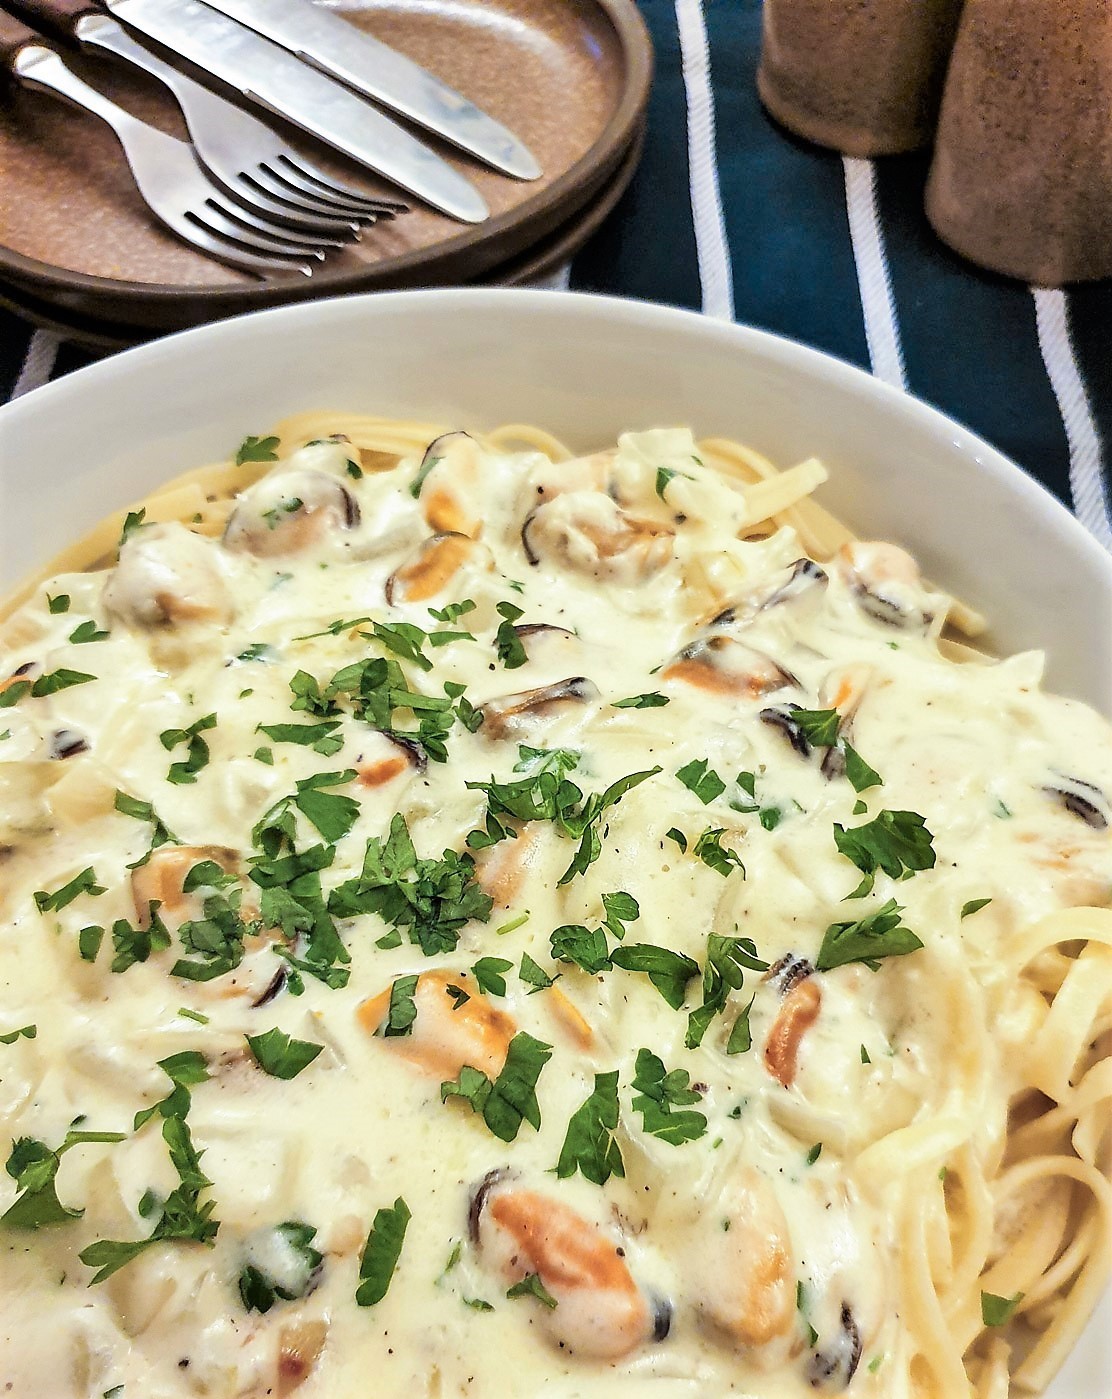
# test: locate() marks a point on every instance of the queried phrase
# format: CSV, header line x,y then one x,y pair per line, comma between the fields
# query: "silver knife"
x,y
268,75
373,68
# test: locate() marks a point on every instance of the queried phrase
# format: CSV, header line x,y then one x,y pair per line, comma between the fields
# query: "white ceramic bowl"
x,y
586,368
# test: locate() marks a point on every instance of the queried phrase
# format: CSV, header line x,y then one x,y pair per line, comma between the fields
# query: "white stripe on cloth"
x,y
1090,504
716,276
39,364
882,327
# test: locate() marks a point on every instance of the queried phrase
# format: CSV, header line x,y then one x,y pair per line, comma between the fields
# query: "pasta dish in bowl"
x,y
507,918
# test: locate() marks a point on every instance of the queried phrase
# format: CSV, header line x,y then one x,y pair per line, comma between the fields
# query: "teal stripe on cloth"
x,y
784,204
646,248
969,338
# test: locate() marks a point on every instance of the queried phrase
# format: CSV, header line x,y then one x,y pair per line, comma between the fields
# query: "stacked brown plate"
x,y
79,251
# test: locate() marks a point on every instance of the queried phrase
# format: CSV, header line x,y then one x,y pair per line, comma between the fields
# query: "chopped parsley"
x,y
161,834
260,1287
529,1286
419,480
699,777
653,700
549,796
256,449
26,1032
973,906
134,521
33,1166
430,900
86,631
83,883
664,474
60,603
197,750
453,611
998,1311
381,1253
181,1215
657,1096
321,737
728,959
280,1056
878,934
741,1036
814,1154
668,971
590,1146
507,644
61,679
489,974
713,853
534,975
402,1009
897,842
511,1099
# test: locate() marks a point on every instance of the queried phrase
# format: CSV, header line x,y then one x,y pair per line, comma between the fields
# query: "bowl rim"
x,y
843,376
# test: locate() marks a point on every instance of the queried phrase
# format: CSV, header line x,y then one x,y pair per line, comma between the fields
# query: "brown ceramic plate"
x,y
542,260
570,76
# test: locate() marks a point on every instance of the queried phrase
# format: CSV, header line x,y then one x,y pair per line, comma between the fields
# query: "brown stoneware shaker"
x,y
862,76
1022,176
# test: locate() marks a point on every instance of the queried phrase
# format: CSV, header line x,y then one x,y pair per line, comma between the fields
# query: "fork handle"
x,y
54,17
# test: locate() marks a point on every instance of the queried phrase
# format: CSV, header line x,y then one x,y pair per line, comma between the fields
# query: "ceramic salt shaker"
x,y
1021,181
862,76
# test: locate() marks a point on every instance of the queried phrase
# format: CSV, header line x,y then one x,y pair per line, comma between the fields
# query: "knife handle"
x,y
54,17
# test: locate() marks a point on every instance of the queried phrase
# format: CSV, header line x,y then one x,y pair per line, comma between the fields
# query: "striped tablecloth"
x,y
731,216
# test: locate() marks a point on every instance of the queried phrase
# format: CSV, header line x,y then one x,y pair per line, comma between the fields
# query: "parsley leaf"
x,y
33,1166
453,611
507,644
197,749
261,1284
426,466
699,777
27,1032
402,1011
534,975
586,947
878,934
713,853
280,1056
973,906
668,971
256,449
86,631
741,1037
819,726
531,1286
664,474
728,959
896,842
589,1145
60,603
653,700
511,1099
161,834
83,883
998,1311
658,1094
61,679
620,908
321,737
134,521
381,1253
538,760
332,814
860,774
489,975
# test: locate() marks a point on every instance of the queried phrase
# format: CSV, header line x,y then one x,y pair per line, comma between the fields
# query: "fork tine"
x,y
305,176
309,218
263,267
260,178
217,220
247,218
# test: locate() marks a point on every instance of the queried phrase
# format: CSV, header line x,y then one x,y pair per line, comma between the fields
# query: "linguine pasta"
x,y
508,923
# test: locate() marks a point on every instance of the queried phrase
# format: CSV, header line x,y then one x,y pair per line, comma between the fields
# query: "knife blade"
x,y
266,74
373,68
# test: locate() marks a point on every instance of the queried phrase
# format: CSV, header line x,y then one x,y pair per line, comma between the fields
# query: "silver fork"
x,y
170,179
249,159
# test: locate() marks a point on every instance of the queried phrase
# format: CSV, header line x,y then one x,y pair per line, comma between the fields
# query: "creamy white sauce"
x,y
974,749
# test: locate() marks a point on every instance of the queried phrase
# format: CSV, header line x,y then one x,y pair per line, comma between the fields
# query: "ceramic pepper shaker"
x,y
862,76
1022,176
